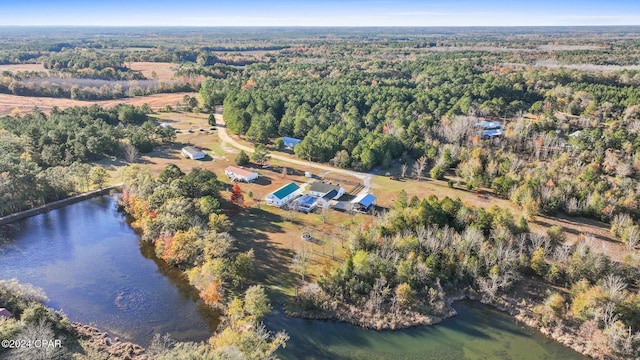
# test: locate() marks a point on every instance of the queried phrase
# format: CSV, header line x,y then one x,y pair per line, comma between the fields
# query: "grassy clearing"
x,y
26,103
276,238
163,71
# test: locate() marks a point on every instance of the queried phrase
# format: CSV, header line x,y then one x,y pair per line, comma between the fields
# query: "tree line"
x,y
44,157
181,215
411,259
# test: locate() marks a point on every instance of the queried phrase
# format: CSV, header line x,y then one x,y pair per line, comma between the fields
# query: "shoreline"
x,y
520,310
7,219
104,344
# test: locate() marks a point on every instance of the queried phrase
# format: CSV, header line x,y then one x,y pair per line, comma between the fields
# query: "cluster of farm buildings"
x,y
321,194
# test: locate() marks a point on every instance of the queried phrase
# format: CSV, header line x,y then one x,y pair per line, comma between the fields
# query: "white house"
x,y
321,189
283,195
193,153
240,174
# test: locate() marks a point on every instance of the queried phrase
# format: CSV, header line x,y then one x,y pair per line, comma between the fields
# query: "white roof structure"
x,y
193,152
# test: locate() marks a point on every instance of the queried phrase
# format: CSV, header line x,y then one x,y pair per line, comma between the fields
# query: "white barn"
x,y
283,195
193,153
240,174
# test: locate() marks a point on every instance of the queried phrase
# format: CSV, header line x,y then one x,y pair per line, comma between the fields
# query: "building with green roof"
x,y
283,195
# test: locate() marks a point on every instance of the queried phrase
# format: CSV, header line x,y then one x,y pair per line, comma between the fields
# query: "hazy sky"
x,y
319,13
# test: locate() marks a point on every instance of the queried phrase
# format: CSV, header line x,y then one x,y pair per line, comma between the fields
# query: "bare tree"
x,y
614,286
130,153
419,166
457,129
290,216
301,261
632,237
324,211
39,331
403,169
378,294
160,344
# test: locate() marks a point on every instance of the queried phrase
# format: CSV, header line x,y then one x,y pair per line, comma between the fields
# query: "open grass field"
x,y
22,67
164,71
24,103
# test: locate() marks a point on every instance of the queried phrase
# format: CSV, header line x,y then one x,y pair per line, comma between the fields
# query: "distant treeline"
x,y
89,89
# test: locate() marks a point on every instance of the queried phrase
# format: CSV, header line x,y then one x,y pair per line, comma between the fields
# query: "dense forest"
x,y
44,157
570,140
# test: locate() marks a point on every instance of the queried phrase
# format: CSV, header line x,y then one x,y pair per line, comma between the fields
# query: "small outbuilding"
x,y
363,203
5,314
490,129
290,142
193,153
239,174
283,195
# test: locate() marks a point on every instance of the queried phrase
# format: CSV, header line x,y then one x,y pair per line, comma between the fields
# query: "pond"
x,y
477,332
93,266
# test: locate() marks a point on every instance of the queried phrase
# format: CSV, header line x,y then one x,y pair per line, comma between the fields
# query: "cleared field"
x,y
164,71
156,101
22,67
274,234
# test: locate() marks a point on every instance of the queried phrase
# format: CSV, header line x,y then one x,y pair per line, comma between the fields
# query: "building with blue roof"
x,y
363,203
290,142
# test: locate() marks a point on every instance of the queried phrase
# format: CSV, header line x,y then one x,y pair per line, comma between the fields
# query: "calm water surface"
x,y
477,332
92,266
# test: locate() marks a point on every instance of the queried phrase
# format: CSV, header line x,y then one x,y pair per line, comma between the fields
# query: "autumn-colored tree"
x,y
236,195
538,264
212,293
404,295
219,223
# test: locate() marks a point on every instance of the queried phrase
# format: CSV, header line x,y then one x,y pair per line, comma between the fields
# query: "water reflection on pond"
x,y
91,265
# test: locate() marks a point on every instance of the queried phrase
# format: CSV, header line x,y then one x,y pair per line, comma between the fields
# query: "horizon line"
x,y
322,26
